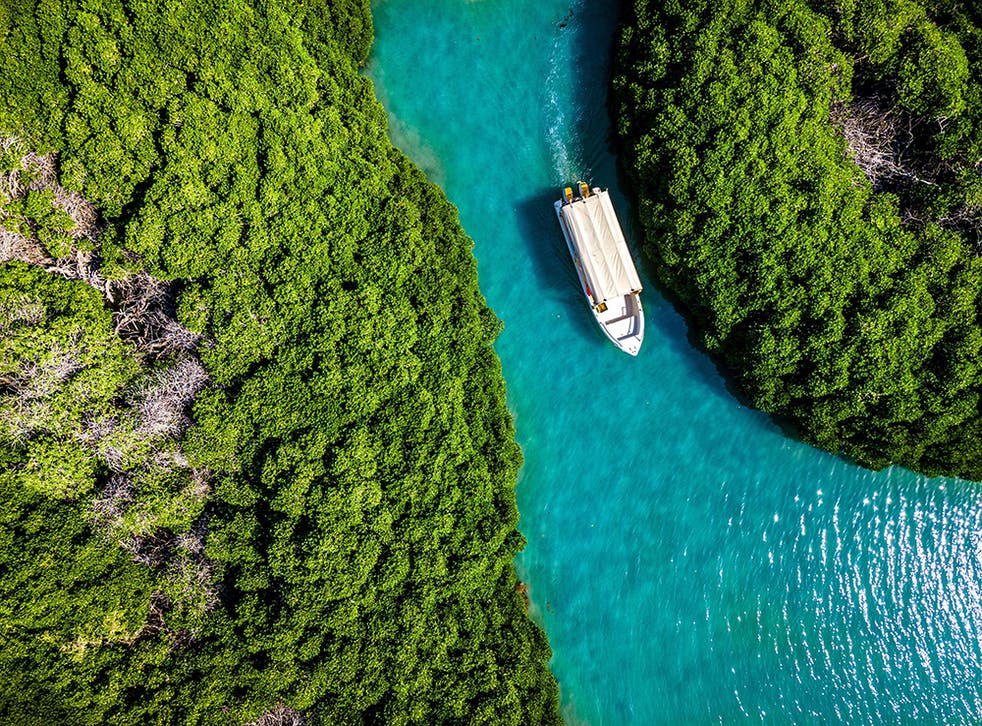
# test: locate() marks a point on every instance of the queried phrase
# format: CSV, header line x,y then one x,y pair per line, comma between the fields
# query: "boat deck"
x,y
604,266
623,323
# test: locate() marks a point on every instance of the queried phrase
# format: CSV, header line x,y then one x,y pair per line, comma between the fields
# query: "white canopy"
x,y
602,248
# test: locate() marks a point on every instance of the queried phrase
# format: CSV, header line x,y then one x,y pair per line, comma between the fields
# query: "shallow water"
x,y
689,563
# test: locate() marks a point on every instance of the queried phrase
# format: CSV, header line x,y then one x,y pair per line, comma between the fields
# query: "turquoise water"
x,y
689,563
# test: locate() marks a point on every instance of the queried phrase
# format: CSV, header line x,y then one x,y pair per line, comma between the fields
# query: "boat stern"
x,y
623,322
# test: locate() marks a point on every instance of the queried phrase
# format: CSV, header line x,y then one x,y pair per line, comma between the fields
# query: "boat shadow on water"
x,y
552,264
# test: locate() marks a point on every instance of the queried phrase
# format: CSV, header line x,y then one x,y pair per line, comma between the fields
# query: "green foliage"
x,y
363,516
848,311
61,365
71,614
37,217
876,28
933,72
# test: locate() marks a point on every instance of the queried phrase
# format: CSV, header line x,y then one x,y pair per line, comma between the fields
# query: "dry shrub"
x,y
144,306
38,172
161,404
882,142
15,246
281,715
41,172
115,498
870,131
193,574
95,429
22,310
153,550
144,315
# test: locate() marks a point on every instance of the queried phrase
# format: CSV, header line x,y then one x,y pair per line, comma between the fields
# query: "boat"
x,y
604,264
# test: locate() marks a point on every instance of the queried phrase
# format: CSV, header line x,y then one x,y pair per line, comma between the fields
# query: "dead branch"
x,y
40,379
195,577
869,132
144,315
280,715
96,429
153,550
116,497
23,310
162,404
144,309
877,139
966,219
200,486
169,460
15,246
193,541
42,170
884,143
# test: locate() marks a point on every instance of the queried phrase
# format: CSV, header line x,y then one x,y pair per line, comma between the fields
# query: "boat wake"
x,y
563,115
577,128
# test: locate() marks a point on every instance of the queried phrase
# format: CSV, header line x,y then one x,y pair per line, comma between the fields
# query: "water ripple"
x,y
883,602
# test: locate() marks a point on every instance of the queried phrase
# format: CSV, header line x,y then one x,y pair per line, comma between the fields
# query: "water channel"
x,y
689,562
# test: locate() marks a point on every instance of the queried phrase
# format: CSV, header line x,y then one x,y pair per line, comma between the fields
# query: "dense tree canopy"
x,y
358,459
809,186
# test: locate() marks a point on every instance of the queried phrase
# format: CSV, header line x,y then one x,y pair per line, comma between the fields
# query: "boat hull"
x,y
622,322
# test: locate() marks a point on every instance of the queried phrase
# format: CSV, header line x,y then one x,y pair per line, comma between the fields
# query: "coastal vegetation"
x,y
257,464
808,182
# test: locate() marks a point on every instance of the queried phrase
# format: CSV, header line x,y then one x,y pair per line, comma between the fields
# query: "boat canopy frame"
x,y
604,255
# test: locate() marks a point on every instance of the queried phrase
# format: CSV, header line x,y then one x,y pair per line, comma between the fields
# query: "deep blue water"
x,y
689,563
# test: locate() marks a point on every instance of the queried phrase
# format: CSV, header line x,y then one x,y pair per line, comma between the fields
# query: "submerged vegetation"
x,y
256,459
808,175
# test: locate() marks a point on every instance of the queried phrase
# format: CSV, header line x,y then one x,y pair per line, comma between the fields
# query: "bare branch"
x,y
280,715
144,315
116,498
23,310
883,143
162,404
876,139
42,171
153,550
869,132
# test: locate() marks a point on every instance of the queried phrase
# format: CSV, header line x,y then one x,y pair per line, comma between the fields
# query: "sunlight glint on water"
x,y
689,563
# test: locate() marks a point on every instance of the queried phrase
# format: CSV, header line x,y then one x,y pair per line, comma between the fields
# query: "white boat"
x,y
604,264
